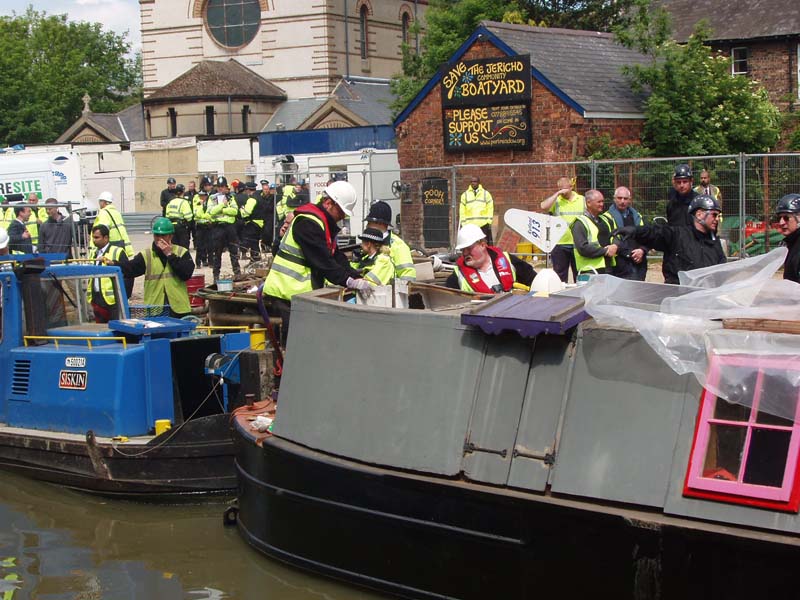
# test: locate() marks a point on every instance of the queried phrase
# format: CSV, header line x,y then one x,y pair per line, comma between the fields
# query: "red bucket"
x,y
194,283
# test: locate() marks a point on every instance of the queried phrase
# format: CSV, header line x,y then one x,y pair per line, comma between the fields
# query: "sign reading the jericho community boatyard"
x,y
486,104
488,81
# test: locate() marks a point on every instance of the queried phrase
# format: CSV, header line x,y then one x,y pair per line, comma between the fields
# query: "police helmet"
x,y
251,185
180,188
380,212
205,181
170,180
221,181
704,202
683,171
790,203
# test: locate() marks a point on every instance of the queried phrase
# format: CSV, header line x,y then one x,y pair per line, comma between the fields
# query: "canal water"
x,y
56,544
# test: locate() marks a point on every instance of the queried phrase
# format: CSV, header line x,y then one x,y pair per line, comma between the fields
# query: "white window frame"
x,y
734,61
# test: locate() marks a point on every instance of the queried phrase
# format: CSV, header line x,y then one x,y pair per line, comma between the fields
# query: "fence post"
x,y
742,193
122,195
455,207
593,176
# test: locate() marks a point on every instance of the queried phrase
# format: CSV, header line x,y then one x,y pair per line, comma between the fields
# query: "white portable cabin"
x,y
48,174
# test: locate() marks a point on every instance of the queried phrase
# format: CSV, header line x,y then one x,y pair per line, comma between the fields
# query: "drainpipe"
x,y
346,43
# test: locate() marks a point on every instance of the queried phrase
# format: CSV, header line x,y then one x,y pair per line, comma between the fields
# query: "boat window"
x,y
66,302
745,451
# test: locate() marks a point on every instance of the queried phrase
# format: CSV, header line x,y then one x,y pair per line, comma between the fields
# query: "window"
x,y
363,31
173,122
743,452
406,27
233,23
209,120
739,61
245,118
148,125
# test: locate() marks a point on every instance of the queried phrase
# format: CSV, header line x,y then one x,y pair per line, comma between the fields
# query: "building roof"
x,y
211,79
364,103
735,20
125,126
582,68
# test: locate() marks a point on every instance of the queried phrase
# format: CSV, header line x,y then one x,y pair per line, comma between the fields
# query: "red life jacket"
x,y
502,267
313,209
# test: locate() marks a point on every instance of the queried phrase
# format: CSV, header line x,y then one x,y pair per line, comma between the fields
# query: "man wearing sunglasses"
x,y
786,214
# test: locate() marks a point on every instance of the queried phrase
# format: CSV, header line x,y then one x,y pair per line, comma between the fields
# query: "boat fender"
x,y
230,516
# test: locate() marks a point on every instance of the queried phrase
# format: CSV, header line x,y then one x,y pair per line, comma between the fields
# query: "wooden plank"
x,y
771,325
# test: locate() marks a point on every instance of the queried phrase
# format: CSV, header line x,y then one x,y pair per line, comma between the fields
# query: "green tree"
x,y
695,106
48,65
450,22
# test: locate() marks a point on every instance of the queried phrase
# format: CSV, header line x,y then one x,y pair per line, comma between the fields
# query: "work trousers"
x,y
181,235
563,259
251,236
224,237
202,244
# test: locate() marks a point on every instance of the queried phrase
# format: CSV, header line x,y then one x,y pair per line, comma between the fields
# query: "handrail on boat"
x,y
88,340
209,328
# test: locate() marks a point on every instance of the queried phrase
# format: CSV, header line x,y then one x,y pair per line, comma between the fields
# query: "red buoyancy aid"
x,y
313,209
502,267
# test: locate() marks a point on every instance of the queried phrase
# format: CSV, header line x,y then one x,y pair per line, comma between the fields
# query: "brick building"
x,y
577,93
762,39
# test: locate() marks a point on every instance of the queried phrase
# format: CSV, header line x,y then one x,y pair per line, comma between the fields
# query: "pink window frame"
x,y
696,481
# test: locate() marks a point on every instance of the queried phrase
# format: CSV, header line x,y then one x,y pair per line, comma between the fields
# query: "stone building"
x,y
577,93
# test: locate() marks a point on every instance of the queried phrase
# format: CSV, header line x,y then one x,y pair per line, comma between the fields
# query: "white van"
x,y
49,174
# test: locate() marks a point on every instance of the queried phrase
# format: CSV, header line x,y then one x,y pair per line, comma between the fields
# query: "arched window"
x,y
363,22
406,27
233,23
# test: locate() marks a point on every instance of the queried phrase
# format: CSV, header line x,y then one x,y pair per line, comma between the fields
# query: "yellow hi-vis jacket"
x,y
476,207
159,280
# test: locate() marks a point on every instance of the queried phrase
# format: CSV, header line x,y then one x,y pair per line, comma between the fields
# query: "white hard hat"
x,y
344,194
468,235
3,238
105,197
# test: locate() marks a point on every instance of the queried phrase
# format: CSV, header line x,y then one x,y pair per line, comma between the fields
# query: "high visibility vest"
x,y
159,280
713,191
469,280
201,217
377,270
290,274
569,210
401,257
117,234
6,216
583,263
281,207
37,214
223,215
106,283
476,207
179,211
249,212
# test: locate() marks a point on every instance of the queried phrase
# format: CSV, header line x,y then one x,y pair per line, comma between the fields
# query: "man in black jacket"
x,y
167,194
18,234
55,234
786,214
680,196
687,247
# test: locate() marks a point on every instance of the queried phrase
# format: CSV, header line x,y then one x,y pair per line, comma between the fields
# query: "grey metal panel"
x,y
621,421
498,404
398,384
540,412
677,504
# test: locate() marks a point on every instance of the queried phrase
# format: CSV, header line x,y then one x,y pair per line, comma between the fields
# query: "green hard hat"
x,y
163,226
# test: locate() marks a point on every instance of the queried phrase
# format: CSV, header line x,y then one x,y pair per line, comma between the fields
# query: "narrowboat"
x,y
519,448
136,407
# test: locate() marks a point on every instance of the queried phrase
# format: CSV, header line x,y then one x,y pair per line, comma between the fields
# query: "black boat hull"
x,y
196,460
426,537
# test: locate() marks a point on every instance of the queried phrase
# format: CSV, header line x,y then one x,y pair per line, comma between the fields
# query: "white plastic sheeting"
x,y
685,328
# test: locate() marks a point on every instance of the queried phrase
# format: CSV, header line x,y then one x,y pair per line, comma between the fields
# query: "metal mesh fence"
x,y
425,201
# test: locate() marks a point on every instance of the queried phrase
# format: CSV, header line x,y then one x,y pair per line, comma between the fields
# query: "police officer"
x,y
380,217
167,194
680,196
179,212
786,214
374,264
687,247
477,208
266,197
252,214
223,212
202,221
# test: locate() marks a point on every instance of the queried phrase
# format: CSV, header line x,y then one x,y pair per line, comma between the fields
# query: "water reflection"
x,y
57,544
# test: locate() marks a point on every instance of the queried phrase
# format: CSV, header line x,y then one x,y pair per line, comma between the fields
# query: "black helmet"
x,y
790,203
683,171
221,181
170,180
380,212
704,202
180,188
205,181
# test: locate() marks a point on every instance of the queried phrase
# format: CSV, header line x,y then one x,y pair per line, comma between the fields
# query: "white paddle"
x,y
541,229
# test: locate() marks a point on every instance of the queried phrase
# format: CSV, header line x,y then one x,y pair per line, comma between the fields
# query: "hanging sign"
x,y
487,81
487,128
